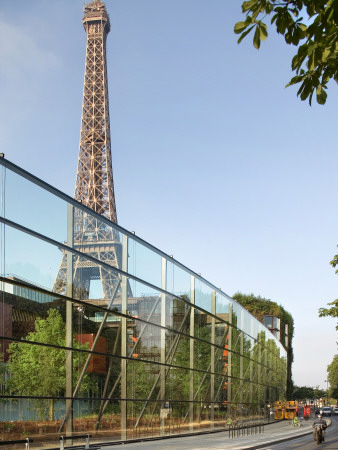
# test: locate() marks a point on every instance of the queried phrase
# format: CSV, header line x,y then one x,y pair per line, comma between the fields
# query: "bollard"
x,y
87,447
62,443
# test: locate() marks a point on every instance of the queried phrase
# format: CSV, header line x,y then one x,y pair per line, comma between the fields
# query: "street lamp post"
x,y
327,391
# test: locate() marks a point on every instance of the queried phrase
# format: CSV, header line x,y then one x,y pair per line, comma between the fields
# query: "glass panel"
x,y
145,341
178,384
277,334
222,307
35,208
237,314
248,344
268,321
30,260
235,335
179,351
144,263
146,305
180,315
277,323
222,334
178,280
203,295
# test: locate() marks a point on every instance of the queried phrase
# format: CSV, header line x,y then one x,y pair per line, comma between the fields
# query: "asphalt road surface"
x,y
220,441
307,443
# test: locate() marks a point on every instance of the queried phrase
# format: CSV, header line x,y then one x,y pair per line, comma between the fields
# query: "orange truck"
x,y
279,410
291,409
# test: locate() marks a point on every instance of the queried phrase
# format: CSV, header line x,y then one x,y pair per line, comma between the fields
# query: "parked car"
x,y
335,410
326,411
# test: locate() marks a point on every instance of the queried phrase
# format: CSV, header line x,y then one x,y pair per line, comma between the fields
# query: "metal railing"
x,y
247,429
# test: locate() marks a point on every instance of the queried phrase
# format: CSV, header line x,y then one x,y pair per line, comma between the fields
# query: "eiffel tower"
x,y
94,180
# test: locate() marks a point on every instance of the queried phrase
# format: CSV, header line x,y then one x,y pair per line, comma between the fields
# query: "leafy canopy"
x,y
333,310
315,35
305,392
332,371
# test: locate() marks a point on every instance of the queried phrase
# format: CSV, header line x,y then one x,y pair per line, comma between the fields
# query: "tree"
x,y
2,373
315,35
305,392
333,311
40,371
334,393
332,376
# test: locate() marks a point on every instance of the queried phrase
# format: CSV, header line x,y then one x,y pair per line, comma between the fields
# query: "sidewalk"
x,y
275,432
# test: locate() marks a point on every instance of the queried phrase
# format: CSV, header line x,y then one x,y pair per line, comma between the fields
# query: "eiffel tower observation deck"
x,y
94,179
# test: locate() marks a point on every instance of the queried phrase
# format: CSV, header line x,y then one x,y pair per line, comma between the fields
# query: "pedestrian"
x,y
295,421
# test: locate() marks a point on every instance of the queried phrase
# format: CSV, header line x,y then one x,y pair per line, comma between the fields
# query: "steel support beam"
x,y
124,340
69,323
230,359
212,360
163,346
191,365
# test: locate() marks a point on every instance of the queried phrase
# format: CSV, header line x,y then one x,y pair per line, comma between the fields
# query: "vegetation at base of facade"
x,y
310,25
260,307
332,376
333,310
41,371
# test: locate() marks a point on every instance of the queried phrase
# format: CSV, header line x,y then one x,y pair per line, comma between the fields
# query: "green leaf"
x,y
325,54
244,34
256,39
239,27
294,80
321,95
263,33
248,5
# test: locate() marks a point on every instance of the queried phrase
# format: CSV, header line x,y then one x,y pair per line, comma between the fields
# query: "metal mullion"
x,y
69,324
230,356
212,360
191,354
241,337
124,340
163,341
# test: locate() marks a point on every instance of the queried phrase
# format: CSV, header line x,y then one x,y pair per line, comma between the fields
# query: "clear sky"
x,y
214,160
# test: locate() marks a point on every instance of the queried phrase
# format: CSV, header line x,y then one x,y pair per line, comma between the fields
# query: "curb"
x,y
279,441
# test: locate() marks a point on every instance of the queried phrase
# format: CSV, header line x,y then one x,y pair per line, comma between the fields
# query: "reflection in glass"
x,y
162,366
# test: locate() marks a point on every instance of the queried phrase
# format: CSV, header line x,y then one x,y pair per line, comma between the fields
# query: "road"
x,y
306,443
220,441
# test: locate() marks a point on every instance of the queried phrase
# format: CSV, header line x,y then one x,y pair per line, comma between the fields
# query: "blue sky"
x,y
214,160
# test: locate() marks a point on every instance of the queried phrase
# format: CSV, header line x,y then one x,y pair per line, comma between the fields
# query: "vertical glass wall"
x,y
102,333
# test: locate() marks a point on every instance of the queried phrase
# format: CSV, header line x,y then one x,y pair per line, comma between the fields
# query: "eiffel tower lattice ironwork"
x,y
94,180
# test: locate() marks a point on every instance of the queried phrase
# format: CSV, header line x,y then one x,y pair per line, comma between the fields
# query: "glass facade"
x,y
114,337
